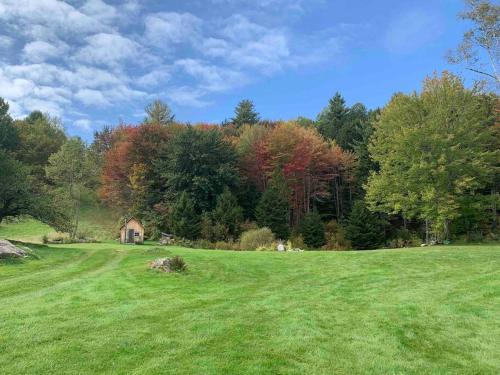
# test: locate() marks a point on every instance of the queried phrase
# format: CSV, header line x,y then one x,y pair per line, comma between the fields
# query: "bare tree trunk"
x,y
447,229
494,208
426,231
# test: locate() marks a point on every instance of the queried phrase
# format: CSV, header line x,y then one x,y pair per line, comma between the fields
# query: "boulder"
x,y
7,250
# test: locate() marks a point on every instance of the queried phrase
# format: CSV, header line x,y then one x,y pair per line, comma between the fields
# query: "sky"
x,y
100,62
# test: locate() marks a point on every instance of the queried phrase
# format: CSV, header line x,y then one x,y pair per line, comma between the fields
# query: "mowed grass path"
x,y
97,309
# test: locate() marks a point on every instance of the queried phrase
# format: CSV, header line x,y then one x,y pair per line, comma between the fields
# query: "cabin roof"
x,y
129,220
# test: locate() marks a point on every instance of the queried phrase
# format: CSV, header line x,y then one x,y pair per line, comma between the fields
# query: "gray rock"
x,y
7,250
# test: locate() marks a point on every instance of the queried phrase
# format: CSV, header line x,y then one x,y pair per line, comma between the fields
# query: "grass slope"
x,y
95,221
97,309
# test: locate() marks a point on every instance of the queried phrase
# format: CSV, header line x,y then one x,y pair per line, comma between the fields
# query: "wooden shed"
x,y
132,231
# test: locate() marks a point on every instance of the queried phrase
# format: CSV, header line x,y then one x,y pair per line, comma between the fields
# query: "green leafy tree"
x,y
39,137
313,230
273,208
245,114
185,219
433,150
72,169
364,229
9,137
15,197
159,113
480,48
228,214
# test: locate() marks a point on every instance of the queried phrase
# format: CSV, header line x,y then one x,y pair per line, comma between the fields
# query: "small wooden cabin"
x,y
132,231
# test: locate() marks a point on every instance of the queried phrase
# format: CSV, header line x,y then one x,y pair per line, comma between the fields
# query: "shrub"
x,y
336,237
403,238
296,241
226,245
253,239
313,230
177,264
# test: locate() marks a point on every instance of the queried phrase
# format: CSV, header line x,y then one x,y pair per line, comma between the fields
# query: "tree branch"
x,y
484,73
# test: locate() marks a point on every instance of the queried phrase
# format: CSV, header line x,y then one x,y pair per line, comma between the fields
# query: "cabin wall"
x,y
137,227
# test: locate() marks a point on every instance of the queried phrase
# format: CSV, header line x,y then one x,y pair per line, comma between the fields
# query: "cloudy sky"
x,y
96,62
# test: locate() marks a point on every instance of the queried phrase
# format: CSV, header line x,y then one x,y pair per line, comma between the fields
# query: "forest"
x,y
422,169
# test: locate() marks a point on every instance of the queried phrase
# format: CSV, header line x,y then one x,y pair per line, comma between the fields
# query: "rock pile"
x,y
7,250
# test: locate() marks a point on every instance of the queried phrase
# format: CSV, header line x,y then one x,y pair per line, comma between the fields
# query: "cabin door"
x,y
130,237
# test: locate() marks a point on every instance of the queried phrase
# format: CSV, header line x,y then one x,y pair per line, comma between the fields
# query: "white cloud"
x,y
154,77
108,49
59,16
186,96
212,77
98,9
83,124
247,44
92,98
6,42
166,28
40,51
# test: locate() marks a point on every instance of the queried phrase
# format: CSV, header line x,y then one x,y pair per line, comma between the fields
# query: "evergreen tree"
x,y
200,162
245,114
159,113
228,214
343,124
313,230
364,229
185,220
272,210
332,118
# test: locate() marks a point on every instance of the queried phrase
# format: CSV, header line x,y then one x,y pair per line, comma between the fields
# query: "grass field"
x,y
97,309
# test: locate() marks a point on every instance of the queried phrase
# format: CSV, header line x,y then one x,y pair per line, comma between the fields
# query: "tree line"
x,y
425,165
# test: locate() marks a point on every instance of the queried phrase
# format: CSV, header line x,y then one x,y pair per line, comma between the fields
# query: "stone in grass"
x,y
7,250
174,264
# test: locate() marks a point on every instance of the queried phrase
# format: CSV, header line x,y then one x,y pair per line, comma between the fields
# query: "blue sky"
x,y
96,62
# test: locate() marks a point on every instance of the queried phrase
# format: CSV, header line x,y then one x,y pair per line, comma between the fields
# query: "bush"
x,y
336,237
296,241
253,239
226,245
403,238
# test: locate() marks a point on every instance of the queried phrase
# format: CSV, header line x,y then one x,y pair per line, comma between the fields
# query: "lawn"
x,y
97,309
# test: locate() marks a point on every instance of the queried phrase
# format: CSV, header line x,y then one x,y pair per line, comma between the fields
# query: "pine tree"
x,y
272,209
313,230
245,114
159,113
364,229
228,214
185,220
331,120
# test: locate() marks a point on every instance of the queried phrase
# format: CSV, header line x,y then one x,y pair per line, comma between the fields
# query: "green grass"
x,y
97,309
